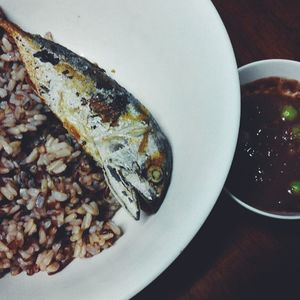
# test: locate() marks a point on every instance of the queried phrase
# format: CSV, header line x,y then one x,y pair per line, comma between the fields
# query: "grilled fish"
x,y
108,121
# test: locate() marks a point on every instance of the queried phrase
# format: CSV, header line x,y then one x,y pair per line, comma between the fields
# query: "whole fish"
x,y
108,121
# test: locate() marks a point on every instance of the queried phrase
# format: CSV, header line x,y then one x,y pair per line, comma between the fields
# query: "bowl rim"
x,y
262,64
268,62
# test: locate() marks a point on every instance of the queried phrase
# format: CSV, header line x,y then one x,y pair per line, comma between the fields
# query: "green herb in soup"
x,y
266,168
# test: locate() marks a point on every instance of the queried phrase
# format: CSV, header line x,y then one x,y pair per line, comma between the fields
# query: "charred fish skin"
x,y
110,123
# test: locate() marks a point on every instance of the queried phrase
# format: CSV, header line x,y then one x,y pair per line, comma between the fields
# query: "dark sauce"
x,y
266,169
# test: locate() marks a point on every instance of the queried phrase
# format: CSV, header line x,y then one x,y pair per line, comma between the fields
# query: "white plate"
x,y
175,56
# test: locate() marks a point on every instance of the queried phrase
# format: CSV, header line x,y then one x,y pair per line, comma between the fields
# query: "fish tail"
x,y
12,29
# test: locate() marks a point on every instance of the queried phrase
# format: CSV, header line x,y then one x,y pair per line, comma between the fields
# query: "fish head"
x,y
140,180
156,171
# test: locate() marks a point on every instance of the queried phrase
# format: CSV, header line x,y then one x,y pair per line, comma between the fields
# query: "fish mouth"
x,y
122,190
133,191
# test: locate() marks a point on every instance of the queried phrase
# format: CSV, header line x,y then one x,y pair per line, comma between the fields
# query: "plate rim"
x,y
197,226
234,117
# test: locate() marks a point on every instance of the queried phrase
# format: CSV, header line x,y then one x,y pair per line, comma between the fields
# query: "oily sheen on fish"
x,y
111,124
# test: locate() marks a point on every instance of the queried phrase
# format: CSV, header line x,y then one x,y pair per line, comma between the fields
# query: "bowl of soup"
x,y
265,173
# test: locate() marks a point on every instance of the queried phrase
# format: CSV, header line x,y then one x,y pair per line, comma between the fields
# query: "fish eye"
x,y
155,174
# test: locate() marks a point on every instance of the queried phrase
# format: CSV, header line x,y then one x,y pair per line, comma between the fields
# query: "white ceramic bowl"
x,y
175,56
260,69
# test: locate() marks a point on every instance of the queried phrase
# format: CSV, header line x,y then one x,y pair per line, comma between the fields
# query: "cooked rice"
x,y
54,202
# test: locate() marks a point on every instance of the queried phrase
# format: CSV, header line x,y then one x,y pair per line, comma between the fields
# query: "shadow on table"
x,y
235,255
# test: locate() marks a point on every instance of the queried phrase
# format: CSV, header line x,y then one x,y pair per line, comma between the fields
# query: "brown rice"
x,y
54,202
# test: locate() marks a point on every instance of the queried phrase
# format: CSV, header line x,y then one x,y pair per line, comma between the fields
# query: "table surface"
x,y
237,254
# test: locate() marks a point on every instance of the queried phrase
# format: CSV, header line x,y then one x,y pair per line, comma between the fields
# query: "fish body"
x,y
108,121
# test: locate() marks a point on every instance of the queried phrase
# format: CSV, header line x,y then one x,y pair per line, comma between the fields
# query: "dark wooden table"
x,y
237,254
